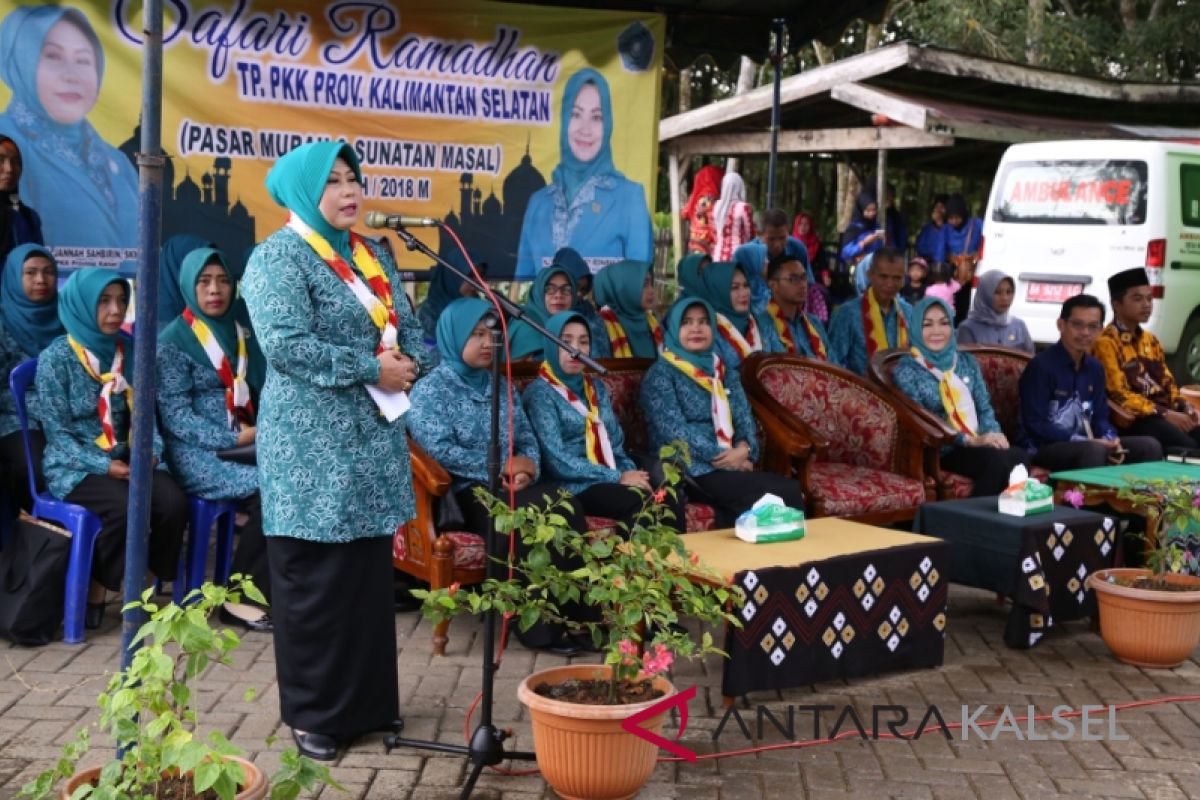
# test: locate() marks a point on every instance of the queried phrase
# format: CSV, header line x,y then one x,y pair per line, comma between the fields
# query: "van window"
x,y
1099,192
1189,192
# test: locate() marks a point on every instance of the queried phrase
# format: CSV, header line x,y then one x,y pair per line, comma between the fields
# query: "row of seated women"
x,y
565,434
209,372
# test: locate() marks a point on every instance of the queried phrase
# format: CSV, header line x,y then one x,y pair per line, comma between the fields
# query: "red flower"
x,y
453,590
660,495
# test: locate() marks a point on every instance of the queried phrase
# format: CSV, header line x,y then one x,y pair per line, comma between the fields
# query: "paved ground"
x,y
46,693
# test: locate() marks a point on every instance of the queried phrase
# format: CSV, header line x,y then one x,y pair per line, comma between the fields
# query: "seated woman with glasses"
x,y
552,292
787,327
626,327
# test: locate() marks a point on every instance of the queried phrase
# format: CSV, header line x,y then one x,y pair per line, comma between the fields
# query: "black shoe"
x,y
316,746
261,625
93,616
563,645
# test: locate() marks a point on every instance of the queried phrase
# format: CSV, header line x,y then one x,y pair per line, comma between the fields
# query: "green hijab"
x,y
77,301
619,286
716,285
31,325
454,328
550,348
523,340
704,359
297,181
224,327
945,358
689,273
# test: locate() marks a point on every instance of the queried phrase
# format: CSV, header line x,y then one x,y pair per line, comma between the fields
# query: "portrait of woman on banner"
x,y
85,190
588,205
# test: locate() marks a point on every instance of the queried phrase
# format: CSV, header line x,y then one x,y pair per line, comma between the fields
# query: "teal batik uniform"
x,y
332,468
68,396
191,396
847,339
560,428
677,408
451,413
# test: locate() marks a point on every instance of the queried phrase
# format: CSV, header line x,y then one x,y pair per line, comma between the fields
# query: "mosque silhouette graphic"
x,y
490,228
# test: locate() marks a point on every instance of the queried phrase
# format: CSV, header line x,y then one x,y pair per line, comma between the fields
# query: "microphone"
x,y
378,219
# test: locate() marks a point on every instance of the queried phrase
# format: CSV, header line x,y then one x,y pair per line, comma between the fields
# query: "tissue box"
x,y
1025,499
769,520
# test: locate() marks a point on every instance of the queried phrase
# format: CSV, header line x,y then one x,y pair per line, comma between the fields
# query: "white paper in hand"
x,y
391,404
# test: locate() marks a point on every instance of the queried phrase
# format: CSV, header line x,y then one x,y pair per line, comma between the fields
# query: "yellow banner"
x,y
523,128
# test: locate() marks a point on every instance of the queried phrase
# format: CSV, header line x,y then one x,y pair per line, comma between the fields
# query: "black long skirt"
x,y
335,634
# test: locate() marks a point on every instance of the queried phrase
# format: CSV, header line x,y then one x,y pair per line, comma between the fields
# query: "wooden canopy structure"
x,y
923,107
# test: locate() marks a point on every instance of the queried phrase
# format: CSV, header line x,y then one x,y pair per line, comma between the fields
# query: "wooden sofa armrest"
x,y
428,474
786,445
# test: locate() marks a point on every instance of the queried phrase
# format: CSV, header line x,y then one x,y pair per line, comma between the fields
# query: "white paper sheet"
x,y
391,404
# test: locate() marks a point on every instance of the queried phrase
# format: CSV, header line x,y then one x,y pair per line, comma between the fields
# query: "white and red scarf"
x,y
722,413
110,382
238,407
743,344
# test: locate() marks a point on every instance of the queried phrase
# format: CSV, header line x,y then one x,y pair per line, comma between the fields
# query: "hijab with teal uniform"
x,y
297,181
523,340
550,348
444,286
223,327
716,287
690,273
77,306
702,359
571,173
170,261
945,358
31,325
454,329
619,286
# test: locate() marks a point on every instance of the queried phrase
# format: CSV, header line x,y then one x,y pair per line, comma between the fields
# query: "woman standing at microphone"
x,y
334,473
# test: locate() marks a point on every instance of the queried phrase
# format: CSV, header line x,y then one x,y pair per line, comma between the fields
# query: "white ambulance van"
x,y
1065,216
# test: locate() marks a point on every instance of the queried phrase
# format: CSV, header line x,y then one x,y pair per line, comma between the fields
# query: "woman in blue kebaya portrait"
x,y
588,205
85,190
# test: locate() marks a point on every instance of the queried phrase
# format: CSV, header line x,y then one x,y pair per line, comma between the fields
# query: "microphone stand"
x,y
487,742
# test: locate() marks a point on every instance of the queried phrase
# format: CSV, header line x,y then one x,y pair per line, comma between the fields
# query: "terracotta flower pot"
x,y
1144,627
254,788
581,749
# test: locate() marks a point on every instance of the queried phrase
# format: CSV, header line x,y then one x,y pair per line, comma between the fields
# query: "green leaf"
x,y
205,775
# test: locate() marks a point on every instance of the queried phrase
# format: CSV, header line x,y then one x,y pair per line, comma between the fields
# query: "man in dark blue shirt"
x,y
1064,411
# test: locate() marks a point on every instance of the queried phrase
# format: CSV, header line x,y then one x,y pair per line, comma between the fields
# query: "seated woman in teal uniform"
x,y
727,289
84,403
582,444
552,292
625,327
450,419
210,374
29,322
444,288
948,384
588,205
689,395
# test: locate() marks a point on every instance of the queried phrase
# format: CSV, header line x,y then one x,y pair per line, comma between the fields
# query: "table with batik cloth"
x,y
1102,485
846,600
1040,561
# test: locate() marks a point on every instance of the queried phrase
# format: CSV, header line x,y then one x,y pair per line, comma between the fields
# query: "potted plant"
x,y
148,711
639,583
1151,617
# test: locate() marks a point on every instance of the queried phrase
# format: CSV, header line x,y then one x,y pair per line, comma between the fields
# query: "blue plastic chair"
x,y
83,524
203,514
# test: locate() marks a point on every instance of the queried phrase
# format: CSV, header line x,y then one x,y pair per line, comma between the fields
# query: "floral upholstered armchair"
x,y
857,452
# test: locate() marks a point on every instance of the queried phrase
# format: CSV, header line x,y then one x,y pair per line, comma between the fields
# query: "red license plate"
x,y
1039,292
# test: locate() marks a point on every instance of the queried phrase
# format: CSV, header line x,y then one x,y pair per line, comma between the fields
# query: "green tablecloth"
x,y
1123,474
